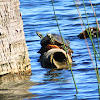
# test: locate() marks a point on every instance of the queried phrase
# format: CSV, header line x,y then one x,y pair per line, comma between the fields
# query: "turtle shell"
x,y
53,39
58,40
45,41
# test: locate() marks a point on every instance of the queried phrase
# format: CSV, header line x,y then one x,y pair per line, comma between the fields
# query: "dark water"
x,y
38,15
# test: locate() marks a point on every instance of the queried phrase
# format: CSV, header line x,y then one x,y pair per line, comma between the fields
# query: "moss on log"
x,y
14,55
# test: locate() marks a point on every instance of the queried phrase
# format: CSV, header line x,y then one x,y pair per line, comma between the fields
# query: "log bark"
x,y
14,57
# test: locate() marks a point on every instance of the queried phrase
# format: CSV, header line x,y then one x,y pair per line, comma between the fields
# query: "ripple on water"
x,y
38,15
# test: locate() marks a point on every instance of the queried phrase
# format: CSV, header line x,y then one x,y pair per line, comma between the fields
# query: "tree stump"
x,y
14,57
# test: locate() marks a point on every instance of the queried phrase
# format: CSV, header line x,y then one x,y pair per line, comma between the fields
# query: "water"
x,y
38,15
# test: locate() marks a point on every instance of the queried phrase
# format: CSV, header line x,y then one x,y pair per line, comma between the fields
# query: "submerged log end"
x,y
56,58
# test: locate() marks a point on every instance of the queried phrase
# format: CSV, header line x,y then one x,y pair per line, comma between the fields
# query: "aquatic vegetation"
x,y
64,46
96,53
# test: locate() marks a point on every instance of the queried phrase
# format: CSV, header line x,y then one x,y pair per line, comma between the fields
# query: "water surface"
x,y
38,15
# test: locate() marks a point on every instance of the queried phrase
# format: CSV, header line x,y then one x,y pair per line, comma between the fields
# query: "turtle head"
x,y
39,34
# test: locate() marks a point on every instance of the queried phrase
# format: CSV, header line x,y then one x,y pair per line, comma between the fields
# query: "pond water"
x,y
38,15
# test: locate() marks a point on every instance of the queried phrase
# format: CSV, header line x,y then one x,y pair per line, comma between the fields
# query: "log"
x,y
14,57
56,58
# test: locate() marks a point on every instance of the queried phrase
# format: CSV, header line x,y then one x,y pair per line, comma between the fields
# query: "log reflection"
x,y
15,87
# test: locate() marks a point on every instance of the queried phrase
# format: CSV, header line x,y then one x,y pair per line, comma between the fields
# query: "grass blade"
x,y
64,46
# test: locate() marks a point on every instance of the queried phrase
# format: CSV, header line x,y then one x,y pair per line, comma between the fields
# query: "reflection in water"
x,y
15,87
58,75
53,82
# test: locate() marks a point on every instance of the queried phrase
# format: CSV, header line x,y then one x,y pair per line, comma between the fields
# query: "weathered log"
x,y
14,55
56,58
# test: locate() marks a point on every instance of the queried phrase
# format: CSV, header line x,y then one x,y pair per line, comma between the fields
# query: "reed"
x,y
64,46
96,54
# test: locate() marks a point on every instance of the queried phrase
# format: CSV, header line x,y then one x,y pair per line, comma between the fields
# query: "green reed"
x,y
93,44
97,25
90,36
96,55
64,46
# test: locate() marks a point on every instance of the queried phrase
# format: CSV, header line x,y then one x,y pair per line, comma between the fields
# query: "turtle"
x,y
91,30
53,41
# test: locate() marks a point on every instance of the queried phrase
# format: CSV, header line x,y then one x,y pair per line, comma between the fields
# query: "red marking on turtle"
x,y
49,46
